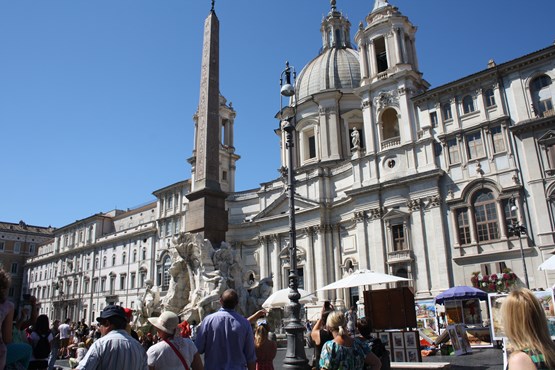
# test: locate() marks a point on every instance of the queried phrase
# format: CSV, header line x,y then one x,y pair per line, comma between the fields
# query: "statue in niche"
x,y
355,138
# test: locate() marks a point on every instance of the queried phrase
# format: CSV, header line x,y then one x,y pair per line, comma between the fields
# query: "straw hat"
x,y
167,322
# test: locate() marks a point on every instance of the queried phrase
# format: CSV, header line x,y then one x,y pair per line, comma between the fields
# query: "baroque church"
x,y
391,176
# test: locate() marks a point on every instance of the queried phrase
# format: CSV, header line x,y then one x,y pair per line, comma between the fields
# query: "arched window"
x,y
113,259
104,261
540,88
134,255
123,258
390,124
468,104
490,98
485,213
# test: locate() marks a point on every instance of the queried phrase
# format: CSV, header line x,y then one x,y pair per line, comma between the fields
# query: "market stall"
x,y
461,305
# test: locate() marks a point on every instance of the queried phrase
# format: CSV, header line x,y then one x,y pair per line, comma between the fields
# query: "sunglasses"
x,y
104,323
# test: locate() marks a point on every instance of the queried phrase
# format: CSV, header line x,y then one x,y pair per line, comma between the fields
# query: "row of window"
x,y
467,105
72,288
474,145
477,222
17,247
68,267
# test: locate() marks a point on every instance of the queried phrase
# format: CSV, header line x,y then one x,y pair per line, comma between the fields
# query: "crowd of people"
x,y
226,339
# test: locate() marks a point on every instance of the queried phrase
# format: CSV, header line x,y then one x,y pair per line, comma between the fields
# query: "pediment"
x,y
547,138
395,213
280,207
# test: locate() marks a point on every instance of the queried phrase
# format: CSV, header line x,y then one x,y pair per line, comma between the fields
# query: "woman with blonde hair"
x,y
525,325
265,348
345,352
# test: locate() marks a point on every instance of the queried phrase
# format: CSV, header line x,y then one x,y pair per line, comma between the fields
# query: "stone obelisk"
x,y
207,213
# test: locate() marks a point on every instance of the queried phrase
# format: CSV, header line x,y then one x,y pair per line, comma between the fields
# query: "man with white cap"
x,y
116,349
172,352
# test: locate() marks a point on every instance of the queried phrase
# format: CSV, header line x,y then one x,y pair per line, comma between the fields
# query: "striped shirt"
x,y
115,350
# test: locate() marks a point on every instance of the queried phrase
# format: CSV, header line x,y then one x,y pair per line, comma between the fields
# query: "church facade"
x,y
391,176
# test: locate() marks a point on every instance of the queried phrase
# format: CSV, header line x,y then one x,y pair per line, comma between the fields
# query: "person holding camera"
x,y
320,333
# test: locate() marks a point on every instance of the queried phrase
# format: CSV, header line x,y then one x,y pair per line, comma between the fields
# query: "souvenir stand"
x,y
462,311
391,315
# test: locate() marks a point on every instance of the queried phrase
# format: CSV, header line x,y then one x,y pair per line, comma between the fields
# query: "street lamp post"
x,y
515,228
295,357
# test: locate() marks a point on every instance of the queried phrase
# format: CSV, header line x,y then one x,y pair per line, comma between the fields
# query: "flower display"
x,y
494,283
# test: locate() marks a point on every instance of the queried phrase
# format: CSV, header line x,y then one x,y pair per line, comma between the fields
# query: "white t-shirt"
x,y
162,356
64,331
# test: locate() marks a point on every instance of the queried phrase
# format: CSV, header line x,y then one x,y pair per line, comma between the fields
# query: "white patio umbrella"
x,y
363,277
280,298
548,264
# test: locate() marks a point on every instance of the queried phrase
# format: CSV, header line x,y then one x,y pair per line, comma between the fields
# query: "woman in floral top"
x,y
525,324
345,352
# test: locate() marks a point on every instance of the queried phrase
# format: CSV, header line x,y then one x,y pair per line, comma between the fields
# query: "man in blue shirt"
x,y
226,338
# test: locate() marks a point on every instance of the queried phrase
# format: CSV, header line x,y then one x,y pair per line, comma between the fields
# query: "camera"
x,y
327,305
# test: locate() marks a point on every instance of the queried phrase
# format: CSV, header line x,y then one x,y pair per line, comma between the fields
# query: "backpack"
x,y
42,348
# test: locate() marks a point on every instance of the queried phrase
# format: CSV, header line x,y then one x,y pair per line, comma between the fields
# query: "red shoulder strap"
x,y
177,353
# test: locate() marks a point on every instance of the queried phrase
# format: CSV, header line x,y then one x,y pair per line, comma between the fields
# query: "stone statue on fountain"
x,y
199,275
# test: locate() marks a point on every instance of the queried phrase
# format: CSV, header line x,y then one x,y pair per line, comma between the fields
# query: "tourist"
x,y
40,340
345,352
6,316
65,330
266,349
173,352
129,317
19,350
54,345
525,324
352,321
116,349
225,337
79,355
320,334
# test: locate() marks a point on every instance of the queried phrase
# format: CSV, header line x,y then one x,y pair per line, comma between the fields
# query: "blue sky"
x,y
97,97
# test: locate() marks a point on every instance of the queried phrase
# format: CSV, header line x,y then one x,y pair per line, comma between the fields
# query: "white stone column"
x,y
419,248
436,239
337,252
310,265
321,262
364,64
373,63
263,263
276,261
361,241
397,37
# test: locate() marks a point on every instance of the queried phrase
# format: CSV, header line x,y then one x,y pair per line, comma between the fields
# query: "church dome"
x,y
334,69
337,67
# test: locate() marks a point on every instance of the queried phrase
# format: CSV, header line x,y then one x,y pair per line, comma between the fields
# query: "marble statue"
x,y
199,275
